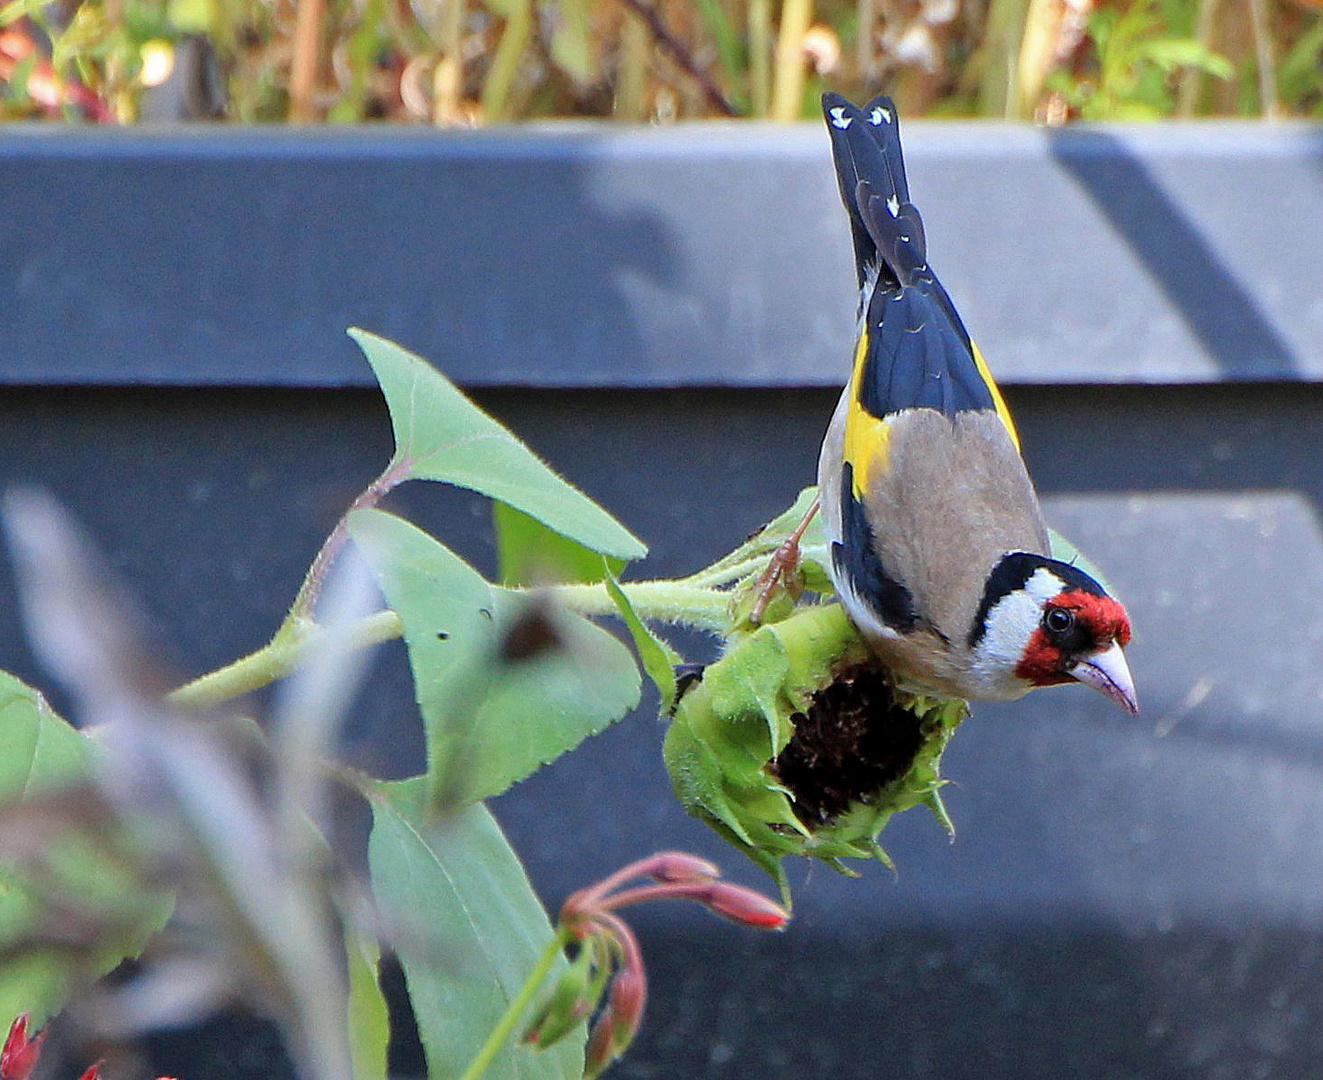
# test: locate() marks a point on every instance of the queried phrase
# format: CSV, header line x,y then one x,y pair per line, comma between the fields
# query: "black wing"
x,y
916,353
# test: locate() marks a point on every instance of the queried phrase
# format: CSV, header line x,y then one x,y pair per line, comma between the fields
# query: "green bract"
x,y
795,743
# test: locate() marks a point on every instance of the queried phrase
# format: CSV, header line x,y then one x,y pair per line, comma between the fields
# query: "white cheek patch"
x,y
1043,585
1011,622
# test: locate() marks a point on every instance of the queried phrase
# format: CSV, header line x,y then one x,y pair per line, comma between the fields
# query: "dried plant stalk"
x,y
305,61
788,84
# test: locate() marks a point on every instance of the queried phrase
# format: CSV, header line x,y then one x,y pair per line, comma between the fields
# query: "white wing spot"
x,y
893,205
879,116
838,117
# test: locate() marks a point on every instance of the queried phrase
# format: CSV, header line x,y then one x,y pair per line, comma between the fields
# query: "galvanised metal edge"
x,y
598,256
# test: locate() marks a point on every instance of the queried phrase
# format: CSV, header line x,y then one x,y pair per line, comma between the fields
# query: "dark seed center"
x,y
852,742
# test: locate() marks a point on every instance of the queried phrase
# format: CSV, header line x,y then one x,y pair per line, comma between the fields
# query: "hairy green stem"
x,y
665,601
518,1006
728,573
278,658
685,603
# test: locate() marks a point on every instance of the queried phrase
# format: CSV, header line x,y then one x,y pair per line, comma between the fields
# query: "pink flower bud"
x,y
590,916
600,1051
629,993
92,1072
619,1023
678,866
746,906
20,1053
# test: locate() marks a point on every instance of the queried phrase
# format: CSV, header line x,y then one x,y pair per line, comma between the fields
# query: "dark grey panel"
x,y
583,256
1124,897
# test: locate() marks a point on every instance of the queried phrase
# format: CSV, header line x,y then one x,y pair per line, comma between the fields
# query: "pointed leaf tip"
x,y
441,435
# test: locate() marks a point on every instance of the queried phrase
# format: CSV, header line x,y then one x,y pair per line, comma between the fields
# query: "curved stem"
x,y
718,574
667,601
278,658
518,1005
306,599
631,956
693,601
663,867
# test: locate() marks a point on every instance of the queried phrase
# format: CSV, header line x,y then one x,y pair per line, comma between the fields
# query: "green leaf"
x,y
468,930
505,681
39,752
40,756
571,43
1170,53
369,1021
1062,549
658,658
38,749
529,553
753,673
441,435
1297,74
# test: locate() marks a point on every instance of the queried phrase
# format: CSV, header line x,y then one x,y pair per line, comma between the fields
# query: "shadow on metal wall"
x,y
164,258
1218,311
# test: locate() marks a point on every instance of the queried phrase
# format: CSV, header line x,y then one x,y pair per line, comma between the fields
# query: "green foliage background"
x,y
469,62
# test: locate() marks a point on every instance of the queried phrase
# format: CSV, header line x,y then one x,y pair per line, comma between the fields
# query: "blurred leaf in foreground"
x,y
468,930
506,681
181,795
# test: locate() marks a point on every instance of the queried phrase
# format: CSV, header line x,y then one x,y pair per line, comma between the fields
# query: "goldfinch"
x,y
939,552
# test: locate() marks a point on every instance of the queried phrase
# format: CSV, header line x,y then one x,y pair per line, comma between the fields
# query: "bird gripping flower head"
x,y
938,548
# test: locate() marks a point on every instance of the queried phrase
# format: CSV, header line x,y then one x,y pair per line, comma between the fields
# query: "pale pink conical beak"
x,y
1107,671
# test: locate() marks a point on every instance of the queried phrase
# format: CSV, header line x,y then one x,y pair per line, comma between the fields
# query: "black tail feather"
x,y
870,169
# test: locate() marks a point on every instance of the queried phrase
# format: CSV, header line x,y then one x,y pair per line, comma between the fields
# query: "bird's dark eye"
x,y
1058,620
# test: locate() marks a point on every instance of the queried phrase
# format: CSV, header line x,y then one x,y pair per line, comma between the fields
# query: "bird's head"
x,y
1043,622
